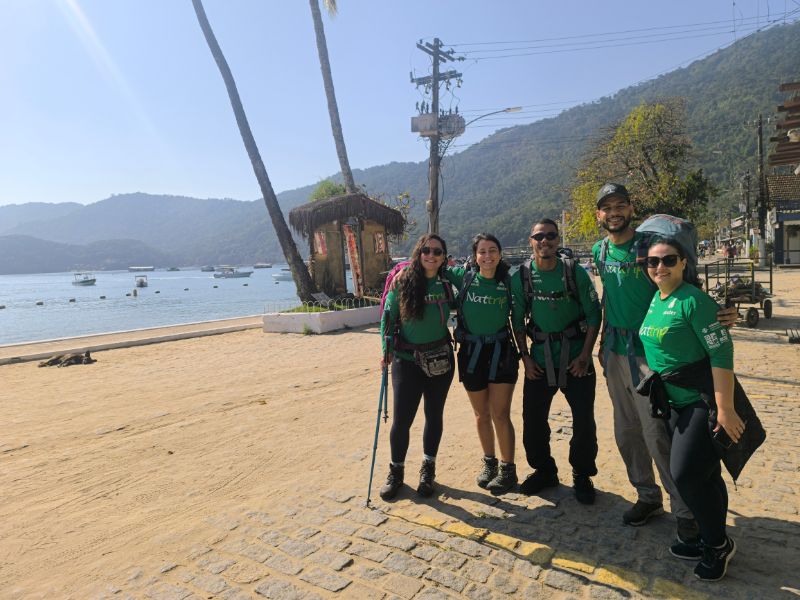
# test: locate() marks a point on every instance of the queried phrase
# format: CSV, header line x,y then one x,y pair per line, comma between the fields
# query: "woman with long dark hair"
x,y
417,344
488,362
682,337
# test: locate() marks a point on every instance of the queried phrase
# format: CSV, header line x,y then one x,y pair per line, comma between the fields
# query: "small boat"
x,y
173,269
231,273
84,279
140,269
262,266
283,275
141,281
208,269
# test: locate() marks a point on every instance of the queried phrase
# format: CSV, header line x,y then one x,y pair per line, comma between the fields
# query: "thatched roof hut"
x,y
307,218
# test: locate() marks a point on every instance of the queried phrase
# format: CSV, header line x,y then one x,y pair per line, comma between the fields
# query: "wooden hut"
x,y
352,227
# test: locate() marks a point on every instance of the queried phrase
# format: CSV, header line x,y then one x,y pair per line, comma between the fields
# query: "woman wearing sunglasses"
x,y
681,330
417,344
487,359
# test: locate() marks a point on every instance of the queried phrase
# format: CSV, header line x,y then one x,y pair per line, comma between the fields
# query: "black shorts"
x,y
507,367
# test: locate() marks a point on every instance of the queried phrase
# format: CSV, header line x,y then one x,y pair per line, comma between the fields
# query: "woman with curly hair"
x,y
416,342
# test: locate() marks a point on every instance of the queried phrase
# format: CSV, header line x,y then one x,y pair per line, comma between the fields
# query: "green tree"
x,y
330,93
649,152
302,278
327,188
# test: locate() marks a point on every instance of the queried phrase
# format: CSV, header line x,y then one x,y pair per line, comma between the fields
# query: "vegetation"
x,y
327,188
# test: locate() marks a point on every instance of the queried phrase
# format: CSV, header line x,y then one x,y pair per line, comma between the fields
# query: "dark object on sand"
x,y
65,360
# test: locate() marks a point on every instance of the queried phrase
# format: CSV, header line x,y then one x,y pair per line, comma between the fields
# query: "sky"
x,y
103,97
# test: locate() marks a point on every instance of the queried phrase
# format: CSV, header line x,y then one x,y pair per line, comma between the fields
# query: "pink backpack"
x,y
390,277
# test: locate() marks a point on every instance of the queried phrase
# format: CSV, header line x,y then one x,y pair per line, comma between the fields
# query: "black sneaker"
x,y
688,531
427,473
714,563
393,482
488,472
687,550
584,489
537,481
506,479
641,512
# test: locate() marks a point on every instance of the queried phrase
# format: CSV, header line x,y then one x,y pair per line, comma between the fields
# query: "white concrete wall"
x,y
320,322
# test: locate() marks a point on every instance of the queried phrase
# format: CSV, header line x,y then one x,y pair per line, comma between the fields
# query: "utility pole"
x,y
762,199
439,56
747,213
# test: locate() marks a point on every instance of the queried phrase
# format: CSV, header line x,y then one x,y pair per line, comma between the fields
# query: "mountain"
x,y
501,184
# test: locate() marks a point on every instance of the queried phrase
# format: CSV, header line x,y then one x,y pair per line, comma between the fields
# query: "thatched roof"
x,y
306,218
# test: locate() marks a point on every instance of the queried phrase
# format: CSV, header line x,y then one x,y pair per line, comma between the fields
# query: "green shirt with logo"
x,y
430,328
553,309
627,290
682,329
485,304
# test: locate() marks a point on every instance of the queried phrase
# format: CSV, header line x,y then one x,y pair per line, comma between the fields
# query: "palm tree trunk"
x,y
302,279
333,108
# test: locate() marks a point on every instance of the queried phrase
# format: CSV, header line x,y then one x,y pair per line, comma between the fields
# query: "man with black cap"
x,y
627,292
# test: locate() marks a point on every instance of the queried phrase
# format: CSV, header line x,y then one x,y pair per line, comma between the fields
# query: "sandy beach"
x,y
161,470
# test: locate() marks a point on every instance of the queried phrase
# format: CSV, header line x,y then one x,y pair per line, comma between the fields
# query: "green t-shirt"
x,y
430,328
627,290
485,305
553,314
680,330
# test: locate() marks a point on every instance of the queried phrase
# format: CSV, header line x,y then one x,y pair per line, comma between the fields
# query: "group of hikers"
x,y
652,321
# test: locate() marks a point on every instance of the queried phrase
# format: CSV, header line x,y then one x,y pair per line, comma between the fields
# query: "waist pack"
x,y
436,361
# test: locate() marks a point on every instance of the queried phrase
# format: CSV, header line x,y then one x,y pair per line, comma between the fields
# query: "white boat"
x,y
208,269
231,273
141,281
84,279
138,269
262,266
283,275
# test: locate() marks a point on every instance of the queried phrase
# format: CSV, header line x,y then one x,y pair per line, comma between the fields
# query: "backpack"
x,y
681,231
392,275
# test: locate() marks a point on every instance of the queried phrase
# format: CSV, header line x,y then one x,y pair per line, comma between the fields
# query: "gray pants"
x,y
641,439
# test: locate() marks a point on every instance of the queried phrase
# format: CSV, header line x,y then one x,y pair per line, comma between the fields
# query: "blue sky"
x,y
102,97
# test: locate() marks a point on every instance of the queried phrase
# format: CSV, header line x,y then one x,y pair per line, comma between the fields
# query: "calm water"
x,y
22,321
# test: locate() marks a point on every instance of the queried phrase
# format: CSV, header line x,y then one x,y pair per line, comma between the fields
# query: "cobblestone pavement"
x,y
465,543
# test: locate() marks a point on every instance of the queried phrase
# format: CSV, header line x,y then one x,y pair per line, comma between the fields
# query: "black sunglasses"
x,y
550,235
436,251
670,260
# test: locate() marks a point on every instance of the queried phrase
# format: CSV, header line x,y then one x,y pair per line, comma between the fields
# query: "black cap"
x,y
612,189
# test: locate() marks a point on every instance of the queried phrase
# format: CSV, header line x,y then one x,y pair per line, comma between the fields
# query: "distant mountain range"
x,y
510,178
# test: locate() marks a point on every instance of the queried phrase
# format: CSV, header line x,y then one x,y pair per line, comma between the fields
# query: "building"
x,y
784,217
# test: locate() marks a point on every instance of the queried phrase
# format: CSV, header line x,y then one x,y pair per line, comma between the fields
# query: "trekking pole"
x,y
383,403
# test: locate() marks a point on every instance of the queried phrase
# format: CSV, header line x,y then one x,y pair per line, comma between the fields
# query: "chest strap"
x,y
572,332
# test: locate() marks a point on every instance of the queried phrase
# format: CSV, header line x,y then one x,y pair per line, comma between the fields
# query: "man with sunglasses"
x,y
562,320
627,292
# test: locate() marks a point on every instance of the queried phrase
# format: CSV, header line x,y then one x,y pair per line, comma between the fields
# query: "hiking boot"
x,y
584,489
688,531
488,472
506,479
427,473
714,563
393,482
641,512
687,550
537,481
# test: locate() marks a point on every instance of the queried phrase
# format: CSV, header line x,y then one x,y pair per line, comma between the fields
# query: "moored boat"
x,y
84,279
208,269
283,275
231,273
141,281
262,266
139,269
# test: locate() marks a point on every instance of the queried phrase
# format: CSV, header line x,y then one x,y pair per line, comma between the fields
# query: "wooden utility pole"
x,y
762,198
439,56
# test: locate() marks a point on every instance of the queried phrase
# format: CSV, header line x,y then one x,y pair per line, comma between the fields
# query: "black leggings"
x,y
409,384
697,470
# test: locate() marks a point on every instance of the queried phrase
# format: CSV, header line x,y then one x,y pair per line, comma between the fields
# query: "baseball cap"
x,y
612,189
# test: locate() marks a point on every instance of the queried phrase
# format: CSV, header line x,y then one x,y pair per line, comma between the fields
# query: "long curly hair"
x,y
502,267
412,285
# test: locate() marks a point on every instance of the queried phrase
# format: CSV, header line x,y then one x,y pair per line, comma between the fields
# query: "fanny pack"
x,y
436,361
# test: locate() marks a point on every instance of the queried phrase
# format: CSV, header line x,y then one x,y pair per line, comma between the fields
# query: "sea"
x,y
48,306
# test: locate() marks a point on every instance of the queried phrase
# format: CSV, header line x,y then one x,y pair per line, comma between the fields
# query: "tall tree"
x,y
302,278
330,93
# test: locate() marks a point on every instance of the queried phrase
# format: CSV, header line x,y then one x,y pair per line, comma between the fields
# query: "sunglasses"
x,y
436,251
670,260
550,235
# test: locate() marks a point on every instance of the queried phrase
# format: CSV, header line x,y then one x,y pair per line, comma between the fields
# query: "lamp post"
x,y
433,201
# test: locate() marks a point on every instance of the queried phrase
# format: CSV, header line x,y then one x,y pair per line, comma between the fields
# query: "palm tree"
x,y
327,79
302,279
